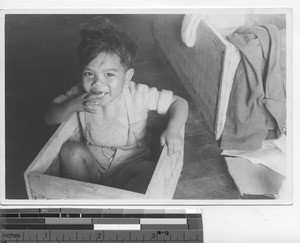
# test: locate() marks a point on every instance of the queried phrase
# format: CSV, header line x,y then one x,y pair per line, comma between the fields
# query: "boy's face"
x,y
106,76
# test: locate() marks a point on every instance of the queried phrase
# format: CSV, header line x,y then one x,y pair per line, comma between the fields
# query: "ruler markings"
x,y
86,213
49,215
153,216
48,227
23,220
70,210
60,220
163,221
73,225
153,211
163,235
68,221
58,241
193,216
91,215
9,215
194,223
91,210
50,210
194,235
117,227
174,215
28,210
136,216
113,235
134,211
164,227
28,215
115,221
112,216
70,215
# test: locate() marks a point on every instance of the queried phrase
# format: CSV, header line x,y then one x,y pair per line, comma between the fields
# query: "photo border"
x,y
289,31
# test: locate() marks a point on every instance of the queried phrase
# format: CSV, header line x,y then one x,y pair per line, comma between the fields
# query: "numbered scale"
x,y
73,225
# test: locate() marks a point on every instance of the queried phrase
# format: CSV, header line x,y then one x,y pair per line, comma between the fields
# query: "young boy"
x,y
113,112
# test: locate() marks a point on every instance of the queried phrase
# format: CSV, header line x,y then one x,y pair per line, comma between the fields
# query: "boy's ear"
x,y
129,73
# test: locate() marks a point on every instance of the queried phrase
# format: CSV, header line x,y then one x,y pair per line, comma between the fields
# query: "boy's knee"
x,y
70,151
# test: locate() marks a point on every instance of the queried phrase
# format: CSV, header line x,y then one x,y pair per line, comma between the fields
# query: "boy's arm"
x,y
178,115
60,111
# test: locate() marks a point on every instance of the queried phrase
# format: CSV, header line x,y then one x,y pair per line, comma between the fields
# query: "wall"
x,y
199,67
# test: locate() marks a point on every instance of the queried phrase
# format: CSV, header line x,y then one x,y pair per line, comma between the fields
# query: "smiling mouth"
x,y
100,93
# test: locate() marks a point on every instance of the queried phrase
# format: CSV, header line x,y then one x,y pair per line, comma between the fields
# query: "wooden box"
x,y
206,70
43,181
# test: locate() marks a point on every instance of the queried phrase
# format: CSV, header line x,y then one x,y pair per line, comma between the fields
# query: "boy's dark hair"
x,y
100,35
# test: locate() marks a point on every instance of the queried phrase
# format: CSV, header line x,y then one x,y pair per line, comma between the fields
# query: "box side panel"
x,y
50,187
166,175
199,67
50,151
52,147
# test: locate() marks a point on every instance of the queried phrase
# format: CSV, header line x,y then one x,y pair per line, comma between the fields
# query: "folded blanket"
x,y
257,105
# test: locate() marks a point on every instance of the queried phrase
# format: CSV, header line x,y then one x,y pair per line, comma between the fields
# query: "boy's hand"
x,y
173,140
86,102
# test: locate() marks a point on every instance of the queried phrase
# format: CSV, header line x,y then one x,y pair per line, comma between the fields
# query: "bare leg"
x,y
77,162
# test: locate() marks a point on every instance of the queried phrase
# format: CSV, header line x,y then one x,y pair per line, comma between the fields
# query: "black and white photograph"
x,y
182,109
179,107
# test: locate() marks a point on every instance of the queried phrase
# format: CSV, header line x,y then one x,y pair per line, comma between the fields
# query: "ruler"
x,y
54,225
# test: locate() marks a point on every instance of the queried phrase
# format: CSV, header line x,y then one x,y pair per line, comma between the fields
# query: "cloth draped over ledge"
x,y
225,24
257,104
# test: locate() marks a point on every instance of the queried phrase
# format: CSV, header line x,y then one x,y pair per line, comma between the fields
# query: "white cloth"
x,y
222,23
189,28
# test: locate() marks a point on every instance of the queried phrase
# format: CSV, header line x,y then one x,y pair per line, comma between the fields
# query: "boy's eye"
x,y
87,73
109,75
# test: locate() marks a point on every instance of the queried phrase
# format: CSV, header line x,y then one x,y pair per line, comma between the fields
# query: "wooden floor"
x,y
41,62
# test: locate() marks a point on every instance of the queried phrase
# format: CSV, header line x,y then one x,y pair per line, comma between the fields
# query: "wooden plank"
x,y
166,174
52,147
198,99
51,187
50,151
231,61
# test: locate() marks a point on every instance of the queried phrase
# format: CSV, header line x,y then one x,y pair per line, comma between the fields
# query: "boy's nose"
x,y
98,82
